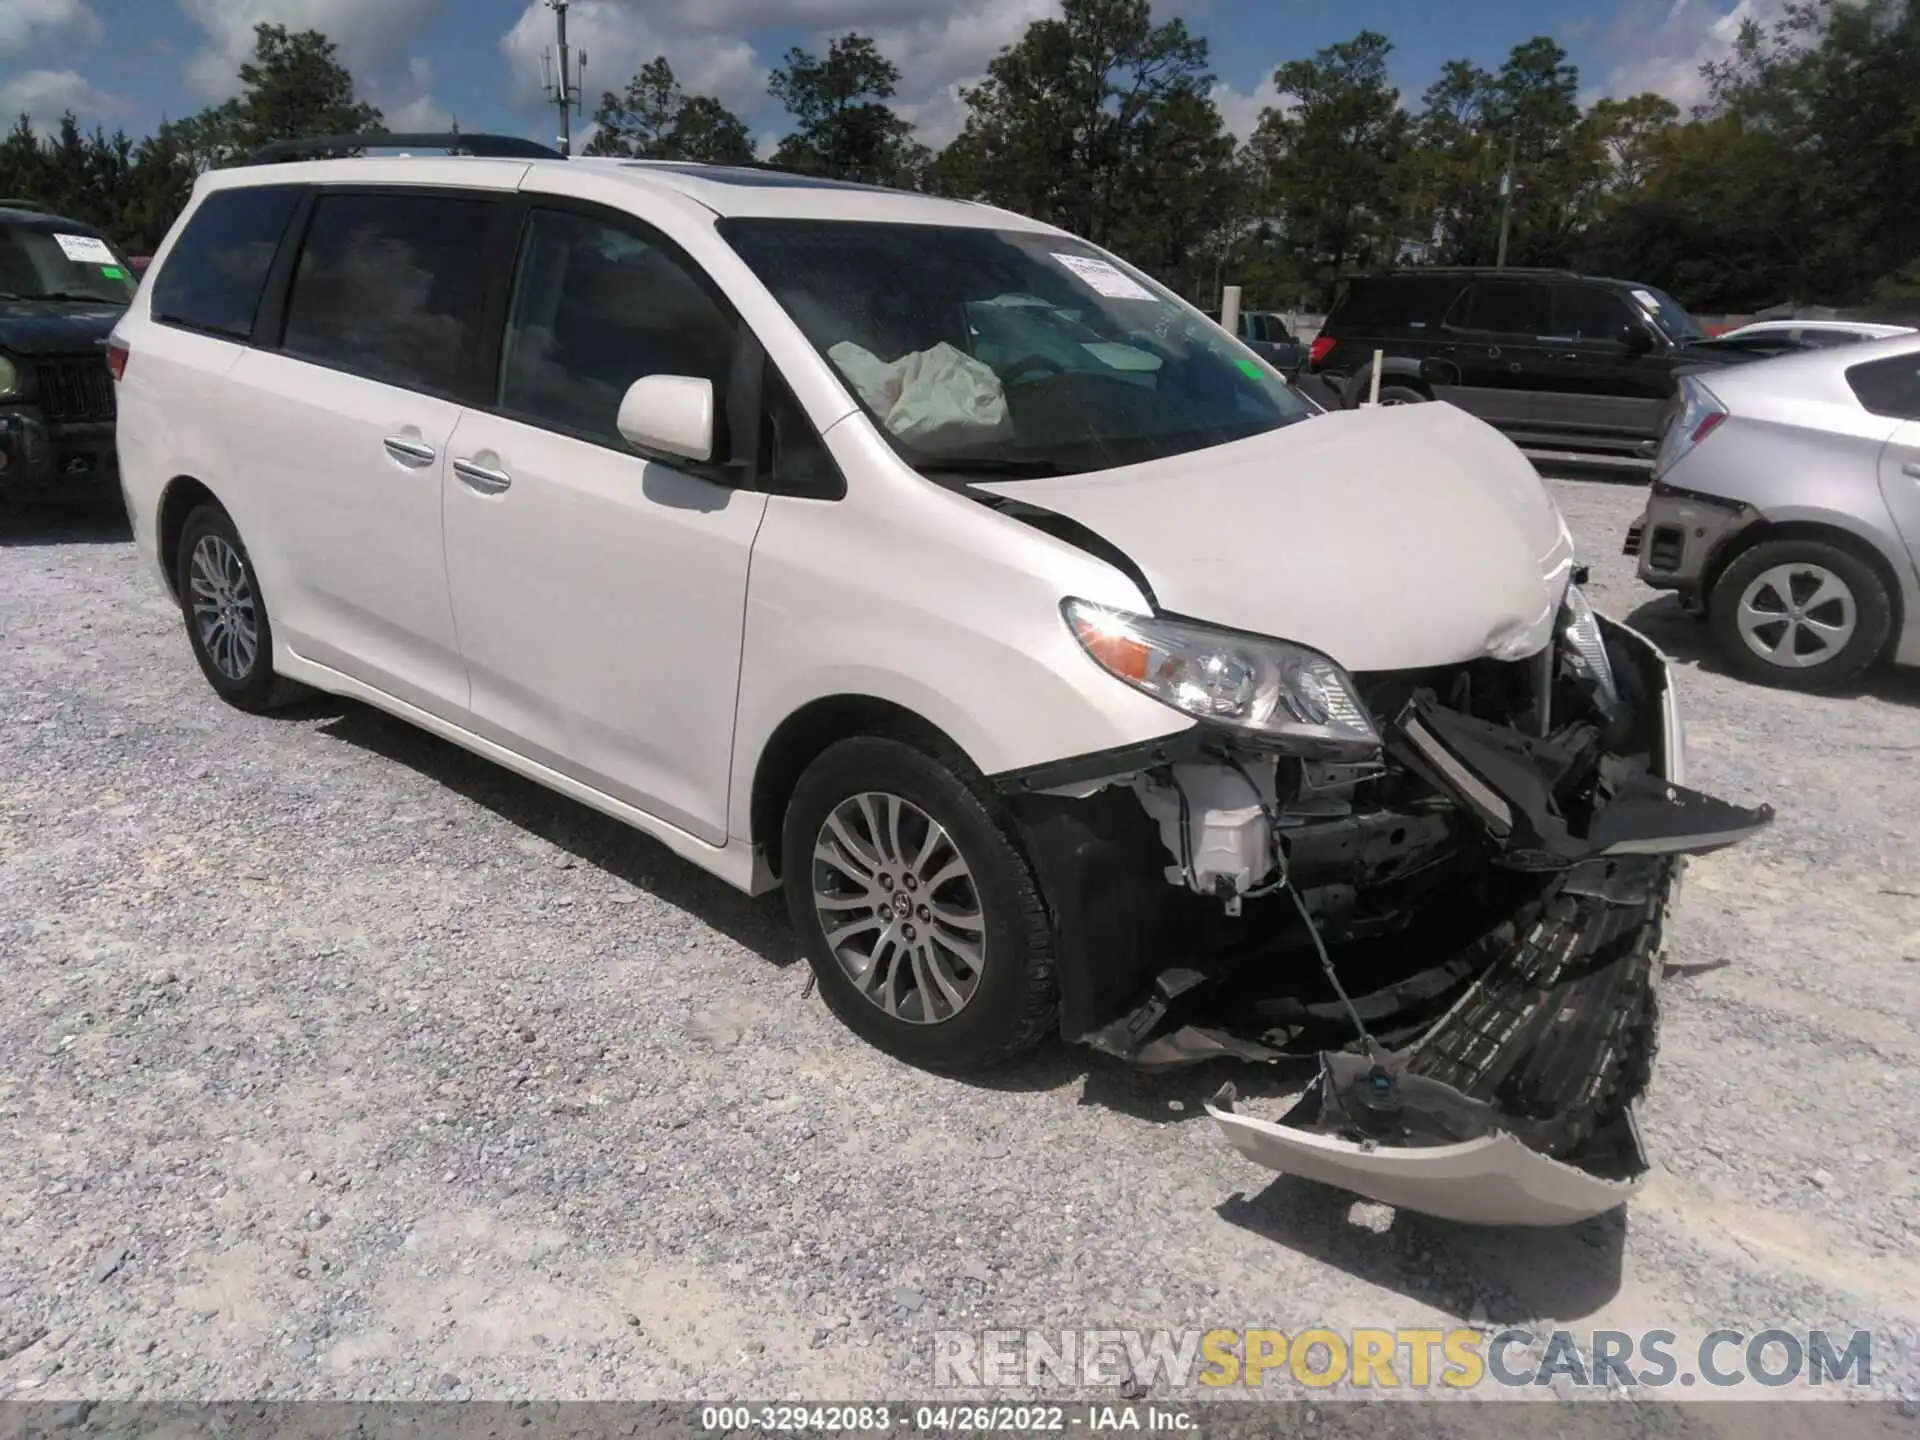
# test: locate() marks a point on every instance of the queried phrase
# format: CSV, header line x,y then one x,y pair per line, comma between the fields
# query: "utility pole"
x,y
1506,204
563,86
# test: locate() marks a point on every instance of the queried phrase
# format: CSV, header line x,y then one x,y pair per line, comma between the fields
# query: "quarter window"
x,y
214,276
1889,387
391,287
596,306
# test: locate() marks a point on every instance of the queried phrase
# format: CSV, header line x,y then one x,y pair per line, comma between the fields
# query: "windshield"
x,y
50,263
1666,312
1008,352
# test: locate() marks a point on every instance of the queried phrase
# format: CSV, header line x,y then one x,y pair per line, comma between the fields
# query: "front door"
x,y
1590,383
343,434
601,595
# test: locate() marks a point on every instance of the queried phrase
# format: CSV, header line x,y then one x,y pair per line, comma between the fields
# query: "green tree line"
x,y
1798,179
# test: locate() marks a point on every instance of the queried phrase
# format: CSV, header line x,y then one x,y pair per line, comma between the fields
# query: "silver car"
x,y
1786,509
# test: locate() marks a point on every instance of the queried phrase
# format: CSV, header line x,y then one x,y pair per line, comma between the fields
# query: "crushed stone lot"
x,y
340,1063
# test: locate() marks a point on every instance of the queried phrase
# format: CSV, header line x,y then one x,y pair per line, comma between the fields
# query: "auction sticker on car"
x,y
86,250
1104,278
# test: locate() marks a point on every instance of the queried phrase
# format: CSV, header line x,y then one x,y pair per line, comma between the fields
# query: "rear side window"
x,y
214,276
597,305
1505,307
1587,312
391,287
1889,387
1392,302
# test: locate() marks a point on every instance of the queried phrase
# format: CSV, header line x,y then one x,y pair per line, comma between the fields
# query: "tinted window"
x,y
1508,307
213,277
1587,312
596,306
1392,302
1889,387
390,287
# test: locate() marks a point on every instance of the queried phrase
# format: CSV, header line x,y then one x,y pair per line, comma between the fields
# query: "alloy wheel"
x,y
899,907
226,615
1797,616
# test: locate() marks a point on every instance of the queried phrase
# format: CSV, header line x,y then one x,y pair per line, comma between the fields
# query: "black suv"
x,y
62,288
1570,366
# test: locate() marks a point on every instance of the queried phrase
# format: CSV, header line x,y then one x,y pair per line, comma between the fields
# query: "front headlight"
x,y
1284,693
9,378
1580,630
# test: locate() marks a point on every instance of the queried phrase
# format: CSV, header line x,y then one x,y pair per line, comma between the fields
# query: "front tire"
x,y
225,614
919,914
1800,614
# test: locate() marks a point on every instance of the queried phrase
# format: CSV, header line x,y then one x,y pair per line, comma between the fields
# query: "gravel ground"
x,y
340,1063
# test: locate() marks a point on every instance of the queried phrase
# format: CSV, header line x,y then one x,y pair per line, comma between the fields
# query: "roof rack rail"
x,y
313,147
32,206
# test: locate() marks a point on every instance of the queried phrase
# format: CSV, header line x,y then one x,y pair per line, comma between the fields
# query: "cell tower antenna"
x,y
566,80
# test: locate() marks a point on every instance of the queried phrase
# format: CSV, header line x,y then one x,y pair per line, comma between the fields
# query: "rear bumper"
x,y
52,460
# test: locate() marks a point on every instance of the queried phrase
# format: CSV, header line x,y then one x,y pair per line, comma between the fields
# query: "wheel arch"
x,y
1829,530
1395,370
804,735
180,497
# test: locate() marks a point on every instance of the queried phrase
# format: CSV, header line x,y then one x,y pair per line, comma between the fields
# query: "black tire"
x,y
1013,1005
1402,395
252,685
1873,614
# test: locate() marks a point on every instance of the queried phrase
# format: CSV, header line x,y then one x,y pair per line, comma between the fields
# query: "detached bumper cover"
x,y
1515,1107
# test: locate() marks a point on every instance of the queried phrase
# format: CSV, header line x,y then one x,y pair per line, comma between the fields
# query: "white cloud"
x,y
1663,52
36,24
1241,109
408,102
45,95
368,33
939,45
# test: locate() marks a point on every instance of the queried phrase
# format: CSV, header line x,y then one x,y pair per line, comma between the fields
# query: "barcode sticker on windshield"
x,y
85,250
1103,278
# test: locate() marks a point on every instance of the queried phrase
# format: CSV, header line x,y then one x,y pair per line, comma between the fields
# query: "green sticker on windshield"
x,y
1251,370
114,272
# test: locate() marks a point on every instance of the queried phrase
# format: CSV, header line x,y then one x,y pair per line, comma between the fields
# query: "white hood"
x,y
1387,539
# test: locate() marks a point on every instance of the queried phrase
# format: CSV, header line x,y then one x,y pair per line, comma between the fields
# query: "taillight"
x,y
1700,414
1321,348
117,355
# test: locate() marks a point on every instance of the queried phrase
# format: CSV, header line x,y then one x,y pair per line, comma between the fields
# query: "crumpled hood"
x,y
1388,539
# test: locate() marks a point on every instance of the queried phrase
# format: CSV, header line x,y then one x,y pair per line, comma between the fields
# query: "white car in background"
x,y
1817,334
1068,686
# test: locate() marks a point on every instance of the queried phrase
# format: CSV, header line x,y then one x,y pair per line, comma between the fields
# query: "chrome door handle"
x,y
410,450
1912,467
480,478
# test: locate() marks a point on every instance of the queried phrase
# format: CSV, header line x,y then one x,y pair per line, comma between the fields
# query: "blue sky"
x,y
129,63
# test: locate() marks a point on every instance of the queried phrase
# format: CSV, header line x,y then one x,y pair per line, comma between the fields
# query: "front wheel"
x,y
1802,614
920,916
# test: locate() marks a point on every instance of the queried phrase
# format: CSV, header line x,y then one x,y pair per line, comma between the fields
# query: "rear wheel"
x,y
226,618
920,916
1402,395
1801,614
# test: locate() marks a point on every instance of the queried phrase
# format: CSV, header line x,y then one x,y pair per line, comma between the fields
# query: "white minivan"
x,y
1069,670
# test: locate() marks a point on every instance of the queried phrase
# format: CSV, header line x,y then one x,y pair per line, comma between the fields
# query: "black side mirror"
x,y
1637,338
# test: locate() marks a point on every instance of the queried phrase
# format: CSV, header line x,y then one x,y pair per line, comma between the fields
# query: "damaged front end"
x,y
1462,919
